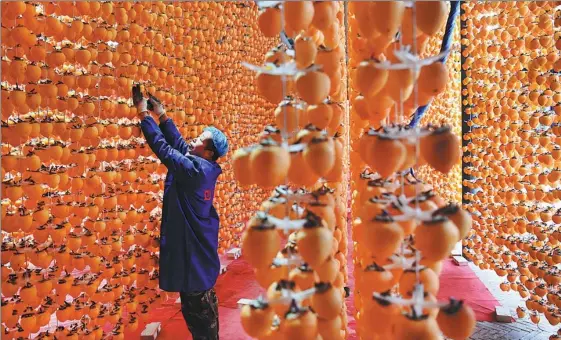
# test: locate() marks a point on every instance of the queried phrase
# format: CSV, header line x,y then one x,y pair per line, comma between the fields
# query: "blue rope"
x,y
446,43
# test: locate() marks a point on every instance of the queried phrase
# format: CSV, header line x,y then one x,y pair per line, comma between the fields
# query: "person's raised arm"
x,y
174,160
168,128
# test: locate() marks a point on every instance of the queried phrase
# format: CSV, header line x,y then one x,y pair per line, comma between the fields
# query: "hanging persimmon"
x,y
416,326
327,301
257,319
303,276
289,116
271,87
300,172
324,15
387,16
380,316
370,79
441,149
269,164
456,320
320,115
312,86
314,241
300,323
386,155
376,279
383,236
425,276
337,171
266,276
431,16
331,329
305,51
461,218
260,241
320,155
241,166
298,15
327,272
433,78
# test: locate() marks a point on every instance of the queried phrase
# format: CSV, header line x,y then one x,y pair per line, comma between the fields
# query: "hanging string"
x,y
285,133
415,94
445,47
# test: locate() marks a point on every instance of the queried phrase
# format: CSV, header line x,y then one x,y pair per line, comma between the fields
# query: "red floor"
x,y
239,282
462,284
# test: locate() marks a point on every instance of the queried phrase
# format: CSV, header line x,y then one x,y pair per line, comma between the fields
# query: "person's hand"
x,y
142,107
158,107
136,95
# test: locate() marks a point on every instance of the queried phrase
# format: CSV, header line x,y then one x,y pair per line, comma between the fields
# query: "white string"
x,y
417,130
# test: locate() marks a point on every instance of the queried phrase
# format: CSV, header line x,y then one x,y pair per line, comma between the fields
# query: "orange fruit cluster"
x,y
512,94
81,190
402,228
446,109
304,156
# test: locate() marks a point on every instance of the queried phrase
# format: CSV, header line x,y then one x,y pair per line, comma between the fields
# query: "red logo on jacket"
x,y
208,195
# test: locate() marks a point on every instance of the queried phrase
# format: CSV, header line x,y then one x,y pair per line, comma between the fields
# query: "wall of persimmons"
x,y
512,98
80,188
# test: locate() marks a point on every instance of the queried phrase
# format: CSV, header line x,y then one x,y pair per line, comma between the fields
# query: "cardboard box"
x,y
234,253
151,331
460,261
243,302
502,314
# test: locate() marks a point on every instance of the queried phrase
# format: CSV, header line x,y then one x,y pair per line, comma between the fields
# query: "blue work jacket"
x,y
189,232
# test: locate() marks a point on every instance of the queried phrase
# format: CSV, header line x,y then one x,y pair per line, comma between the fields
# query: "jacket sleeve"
x,y
174,160
173,137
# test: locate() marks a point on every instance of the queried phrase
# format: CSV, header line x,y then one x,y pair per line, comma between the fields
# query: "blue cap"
x,y
219,140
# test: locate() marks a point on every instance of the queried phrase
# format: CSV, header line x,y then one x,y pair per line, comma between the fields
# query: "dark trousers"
x,y
200,311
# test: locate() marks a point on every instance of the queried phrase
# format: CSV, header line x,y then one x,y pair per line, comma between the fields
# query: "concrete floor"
x,y
521,329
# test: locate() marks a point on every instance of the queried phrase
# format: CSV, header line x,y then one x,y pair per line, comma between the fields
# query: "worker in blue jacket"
x,y
189,262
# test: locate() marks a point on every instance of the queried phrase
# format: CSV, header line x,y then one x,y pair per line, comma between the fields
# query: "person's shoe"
x,y
347,292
